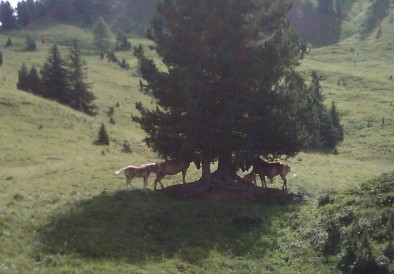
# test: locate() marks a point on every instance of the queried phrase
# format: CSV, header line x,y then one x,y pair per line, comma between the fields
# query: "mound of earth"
x,y
235,192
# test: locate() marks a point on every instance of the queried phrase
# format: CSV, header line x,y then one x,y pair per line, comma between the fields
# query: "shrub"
x,y
324,199
8,43
331,244
347,257
30,43
346,216
126,147
124,64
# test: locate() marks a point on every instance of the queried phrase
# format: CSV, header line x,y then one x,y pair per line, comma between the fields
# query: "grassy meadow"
x,y
62,209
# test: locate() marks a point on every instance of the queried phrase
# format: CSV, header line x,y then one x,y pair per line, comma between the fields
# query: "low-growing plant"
x,y
324,199
126,147
30,43
8,43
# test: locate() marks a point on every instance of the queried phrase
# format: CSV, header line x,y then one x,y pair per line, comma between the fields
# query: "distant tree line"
x,y
61,80
130,15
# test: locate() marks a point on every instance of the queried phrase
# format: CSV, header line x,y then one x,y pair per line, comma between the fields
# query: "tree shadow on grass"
x,y
139,227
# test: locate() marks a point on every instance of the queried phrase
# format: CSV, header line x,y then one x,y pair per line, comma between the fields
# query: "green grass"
x,y
62,209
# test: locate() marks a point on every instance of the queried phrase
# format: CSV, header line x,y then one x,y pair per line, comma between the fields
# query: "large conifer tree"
x,y
54,78
81,98
229,88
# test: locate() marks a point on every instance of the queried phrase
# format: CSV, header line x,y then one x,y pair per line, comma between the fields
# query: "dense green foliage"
x,y
214,57
210,67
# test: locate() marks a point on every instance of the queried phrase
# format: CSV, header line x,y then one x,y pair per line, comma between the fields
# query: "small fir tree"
x,y
103,138
34,80
336,123
23,79
30,43
8,43
121,41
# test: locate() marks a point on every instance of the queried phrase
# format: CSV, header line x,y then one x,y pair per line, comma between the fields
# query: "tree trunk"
x,y
224,177
226,170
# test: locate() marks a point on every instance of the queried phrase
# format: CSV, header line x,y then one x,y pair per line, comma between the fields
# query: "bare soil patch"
x,y
234,193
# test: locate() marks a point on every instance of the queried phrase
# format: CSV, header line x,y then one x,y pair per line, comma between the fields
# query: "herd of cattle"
x,y
174,166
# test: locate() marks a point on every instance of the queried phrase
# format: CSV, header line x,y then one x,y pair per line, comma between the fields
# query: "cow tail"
x,y
120,170
294,175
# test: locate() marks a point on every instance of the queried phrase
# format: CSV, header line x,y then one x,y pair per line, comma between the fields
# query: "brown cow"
x,y
174,166
271,170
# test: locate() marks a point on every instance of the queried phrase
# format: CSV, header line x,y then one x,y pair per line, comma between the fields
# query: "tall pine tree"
x,y
54,78
81,98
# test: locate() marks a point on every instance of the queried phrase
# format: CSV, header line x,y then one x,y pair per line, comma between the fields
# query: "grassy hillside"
x,y
328,22
63,210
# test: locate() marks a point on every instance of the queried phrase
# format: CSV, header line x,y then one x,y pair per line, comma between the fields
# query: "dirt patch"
x,y
236,192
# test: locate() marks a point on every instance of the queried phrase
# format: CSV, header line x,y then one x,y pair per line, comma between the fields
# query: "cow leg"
x,y
184,176
262,178
158,179
145,182
284,187
128,182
